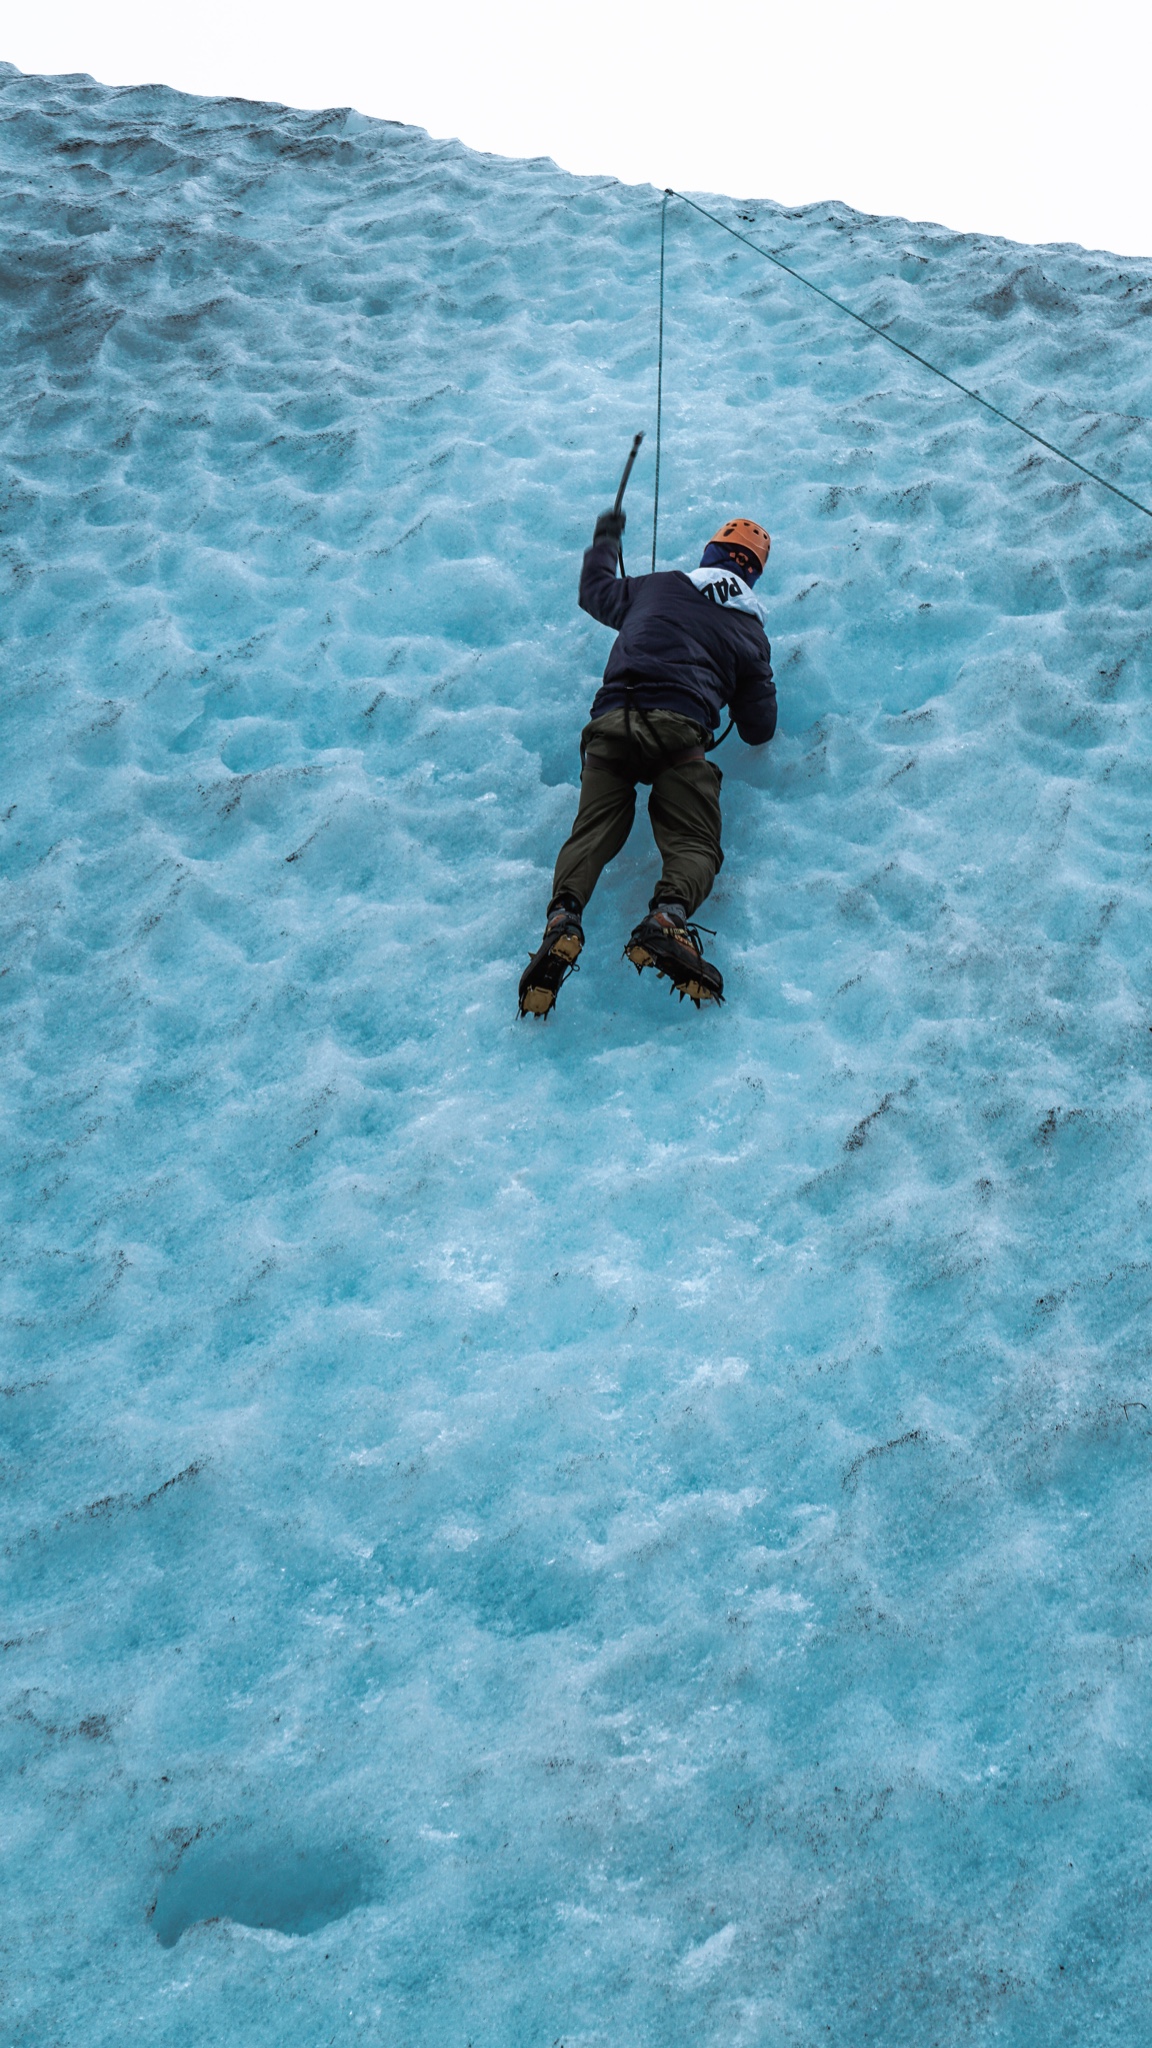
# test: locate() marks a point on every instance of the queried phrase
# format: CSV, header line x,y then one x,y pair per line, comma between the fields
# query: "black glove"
x,y
610,526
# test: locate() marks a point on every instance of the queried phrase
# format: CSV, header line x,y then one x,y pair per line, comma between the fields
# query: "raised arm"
x,y
603,594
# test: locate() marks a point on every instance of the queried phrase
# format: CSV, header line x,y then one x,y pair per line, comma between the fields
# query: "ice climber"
x,y
688,643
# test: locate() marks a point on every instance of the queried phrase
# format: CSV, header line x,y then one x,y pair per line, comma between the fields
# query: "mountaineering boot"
x,y
666,941
549,968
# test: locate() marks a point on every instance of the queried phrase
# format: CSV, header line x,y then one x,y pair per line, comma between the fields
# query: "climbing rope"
x,y
659,383
669,193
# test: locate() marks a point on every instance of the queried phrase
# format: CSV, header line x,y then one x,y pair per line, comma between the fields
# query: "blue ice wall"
x,y
626,1533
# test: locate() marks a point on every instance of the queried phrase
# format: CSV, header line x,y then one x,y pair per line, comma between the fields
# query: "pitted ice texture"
x,y
630,1531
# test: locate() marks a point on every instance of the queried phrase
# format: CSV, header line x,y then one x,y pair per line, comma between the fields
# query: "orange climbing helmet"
x,y
744,533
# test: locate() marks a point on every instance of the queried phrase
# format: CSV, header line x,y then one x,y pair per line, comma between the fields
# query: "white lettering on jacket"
x,y
723,586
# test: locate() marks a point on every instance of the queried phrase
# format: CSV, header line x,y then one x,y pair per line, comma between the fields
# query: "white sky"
x,y
1006,116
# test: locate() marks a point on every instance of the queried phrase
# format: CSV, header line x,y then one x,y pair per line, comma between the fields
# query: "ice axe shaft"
x,y
632,454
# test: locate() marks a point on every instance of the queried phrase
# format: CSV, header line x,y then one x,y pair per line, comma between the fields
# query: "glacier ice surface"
x,y
633,1531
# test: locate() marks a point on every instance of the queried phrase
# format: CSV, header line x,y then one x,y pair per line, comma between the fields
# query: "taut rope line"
x,y
659,381
670,193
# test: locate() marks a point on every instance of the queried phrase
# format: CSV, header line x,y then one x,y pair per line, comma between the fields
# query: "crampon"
x,y
551,964
673,948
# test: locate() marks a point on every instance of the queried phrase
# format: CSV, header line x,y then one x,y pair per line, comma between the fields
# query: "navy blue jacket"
x,y
678,650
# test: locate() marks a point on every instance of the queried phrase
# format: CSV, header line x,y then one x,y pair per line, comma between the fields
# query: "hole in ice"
x,y
295,1891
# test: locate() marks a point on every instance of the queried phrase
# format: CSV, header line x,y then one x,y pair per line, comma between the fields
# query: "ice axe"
x,y
632,454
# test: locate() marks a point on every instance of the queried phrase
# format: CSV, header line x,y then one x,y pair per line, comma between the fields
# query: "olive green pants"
x,y
683,807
